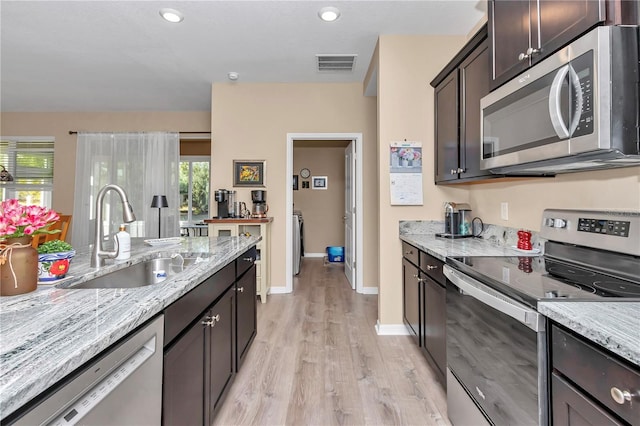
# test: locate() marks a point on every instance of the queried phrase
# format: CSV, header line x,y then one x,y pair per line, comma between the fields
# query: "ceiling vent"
x,y
336,62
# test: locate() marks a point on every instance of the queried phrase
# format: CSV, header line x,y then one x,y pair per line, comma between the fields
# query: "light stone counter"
x,y
47,334
613,325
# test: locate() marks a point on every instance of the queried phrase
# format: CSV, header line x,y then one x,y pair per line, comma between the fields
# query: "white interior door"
x,y
350,214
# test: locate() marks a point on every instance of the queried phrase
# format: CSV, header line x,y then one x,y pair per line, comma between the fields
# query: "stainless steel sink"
x,y
150,272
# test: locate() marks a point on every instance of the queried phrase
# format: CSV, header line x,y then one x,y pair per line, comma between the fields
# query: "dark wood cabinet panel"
x,y
246,319
411,299
474,83
447,128
220,343
572,408
183,379
523,32
509,32
435,324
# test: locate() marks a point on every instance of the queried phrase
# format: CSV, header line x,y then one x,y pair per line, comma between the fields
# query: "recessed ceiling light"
x,y
329,14
171,15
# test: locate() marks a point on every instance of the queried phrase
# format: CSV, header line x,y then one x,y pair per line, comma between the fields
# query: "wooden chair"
x,y
62,224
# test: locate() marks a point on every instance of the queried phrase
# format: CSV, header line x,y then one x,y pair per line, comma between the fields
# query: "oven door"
x,y
496,351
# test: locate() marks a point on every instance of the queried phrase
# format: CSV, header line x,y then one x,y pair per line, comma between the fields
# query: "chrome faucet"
x,y
98,254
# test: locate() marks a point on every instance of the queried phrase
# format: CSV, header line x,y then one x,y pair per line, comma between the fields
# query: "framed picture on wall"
x,y
249,173
319,182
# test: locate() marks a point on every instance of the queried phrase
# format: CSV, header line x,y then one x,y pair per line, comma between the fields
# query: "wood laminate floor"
x,y
317,360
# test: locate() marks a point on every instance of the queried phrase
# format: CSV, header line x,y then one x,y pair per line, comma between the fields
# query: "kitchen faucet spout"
x,y
98,254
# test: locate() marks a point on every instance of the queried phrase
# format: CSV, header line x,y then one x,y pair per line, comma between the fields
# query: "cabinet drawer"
x,y
596,372
432,267
183,311
246,261
410,253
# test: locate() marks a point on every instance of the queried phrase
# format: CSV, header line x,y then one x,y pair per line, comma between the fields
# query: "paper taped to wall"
x,y
405,173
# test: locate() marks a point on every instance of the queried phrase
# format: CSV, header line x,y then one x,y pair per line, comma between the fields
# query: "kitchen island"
x,y
47,334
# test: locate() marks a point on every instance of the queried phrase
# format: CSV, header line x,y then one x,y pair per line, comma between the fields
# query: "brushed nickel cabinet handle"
x,y
620,396
431,267
240,289
248,259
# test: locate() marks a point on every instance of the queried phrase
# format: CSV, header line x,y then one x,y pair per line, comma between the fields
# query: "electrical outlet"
x,y
504,211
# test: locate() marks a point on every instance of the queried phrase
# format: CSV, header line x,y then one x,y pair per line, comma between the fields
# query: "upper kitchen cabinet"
x,y
458,90
524,32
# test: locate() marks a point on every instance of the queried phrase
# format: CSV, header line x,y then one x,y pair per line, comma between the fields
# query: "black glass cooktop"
x,y
530,279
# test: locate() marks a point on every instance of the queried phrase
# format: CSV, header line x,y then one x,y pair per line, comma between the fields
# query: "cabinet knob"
x,y
522,56
532,51
431,267
210,321
460,170
620,396
248,259
408,252
240,289
216,318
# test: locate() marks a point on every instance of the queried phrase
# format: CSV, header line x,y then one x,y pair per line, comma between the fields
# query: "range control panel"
x,y
602,226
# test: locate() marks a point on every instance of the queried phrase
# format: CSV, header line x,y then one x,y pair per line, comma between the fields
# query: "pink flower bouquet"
x,y
17,220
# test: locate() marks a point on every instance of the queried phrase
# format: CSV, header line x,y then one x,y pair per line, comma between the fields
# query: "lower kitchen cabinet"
x,y
208,332
219,346
589,385
246,314
424,306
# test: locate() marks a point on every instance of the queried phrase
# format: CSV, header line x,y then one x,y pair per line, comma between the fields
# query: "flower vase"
x,y
18,266
404,163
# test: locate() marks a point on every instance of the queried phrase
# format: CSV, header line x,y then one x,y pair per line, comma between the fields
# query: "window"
x,y
29,161
194,188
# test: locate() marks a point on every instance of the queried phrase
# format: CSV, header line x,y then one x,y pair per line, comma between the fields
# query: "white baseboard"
x,y
315,254
391,329
278,290
369,290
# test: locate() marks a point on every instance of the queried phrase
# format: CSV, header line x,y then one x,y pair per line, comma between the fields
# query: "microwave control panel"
x,y
583,66
607,227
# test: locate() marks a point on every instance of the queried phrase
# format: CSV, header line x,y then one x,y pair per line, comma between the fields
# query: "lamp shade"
x,y
159,201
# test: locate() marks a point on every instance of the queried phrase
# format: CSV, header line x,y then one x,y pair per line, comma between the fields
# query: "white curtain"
x,y
144,165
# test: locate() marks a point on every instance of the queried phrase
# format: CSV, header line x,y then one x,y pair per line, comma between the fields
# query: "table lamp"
x,y
159,202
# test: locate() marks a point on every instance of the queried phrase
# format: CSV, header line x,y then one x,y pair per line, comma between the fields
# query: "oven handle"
x,y
496,300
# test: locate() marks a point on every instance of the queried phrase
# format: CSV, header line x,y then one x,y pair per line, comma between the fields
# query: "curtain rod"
x,y
75,132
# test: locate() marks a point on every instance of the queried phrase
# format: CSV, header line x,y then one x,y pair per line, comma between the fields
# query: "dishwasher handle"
x,y
495,299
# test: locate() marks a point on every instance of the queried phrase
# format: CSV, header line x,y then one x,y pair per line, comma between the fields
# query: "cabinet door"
x,y
446,128
474,79
435,324
411,299
220,344
571,408
561,21
246,325
183,379
509,35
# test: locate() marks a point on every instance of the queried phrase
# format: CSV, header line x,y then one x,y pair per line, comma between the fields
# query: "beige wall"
x,y
323,210
405,111
251,122
59,124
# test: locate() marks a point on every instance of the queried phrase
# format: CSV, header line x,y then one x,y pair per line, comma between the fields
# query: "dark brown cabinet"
x,y
245,314
208,332
523,32
219,351
424,305
589,385
458,90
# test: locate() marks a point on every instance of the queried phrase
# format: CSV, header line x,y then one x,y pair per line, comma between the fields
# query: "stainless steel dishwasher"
x,y
123,387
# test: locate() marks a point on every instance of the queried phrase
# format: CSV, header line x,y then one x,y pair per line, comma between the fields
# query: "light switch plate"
x,y
504,211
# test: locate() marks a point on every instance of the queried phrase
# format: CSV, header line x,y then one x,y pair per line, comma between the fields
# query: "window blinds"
x,y
29,161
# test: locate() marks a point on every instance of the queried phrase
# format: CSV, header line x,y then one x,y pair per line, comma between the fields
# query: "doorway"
x,y
354,185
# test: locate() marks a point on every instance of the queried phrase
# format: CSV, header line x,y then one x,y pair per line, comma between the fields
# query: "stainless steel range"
x,y
496,339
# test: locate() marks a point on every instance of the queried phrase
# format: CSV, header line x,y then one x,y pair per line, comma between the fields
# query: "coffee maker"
x,y
457,221
222,198
260,207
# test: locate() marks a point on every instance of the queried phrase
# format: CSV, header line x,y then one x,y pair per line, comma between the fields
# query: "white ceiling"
x,y
121,56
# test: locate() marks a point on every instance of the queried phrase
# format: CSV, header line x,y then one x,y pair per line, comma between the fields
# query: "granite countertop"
x,y
48,333
613,325
442,248
247,220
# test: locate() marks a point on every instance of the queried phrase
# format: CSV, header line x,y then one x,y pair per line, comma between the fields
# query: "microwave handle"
x,y
577,114
554,103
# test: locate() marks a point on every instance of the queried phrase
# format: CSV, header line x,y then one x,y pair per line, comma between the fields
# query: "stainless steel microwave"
x,y
576,110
